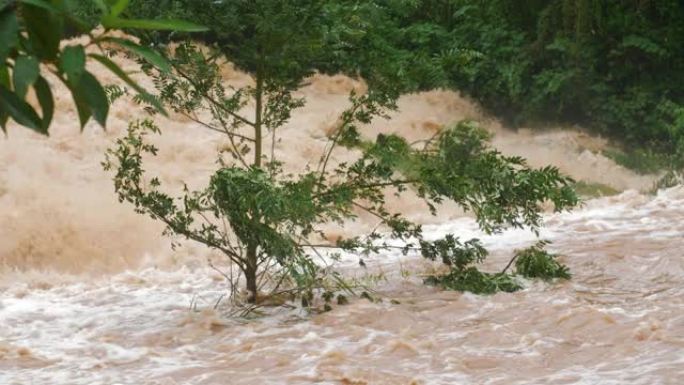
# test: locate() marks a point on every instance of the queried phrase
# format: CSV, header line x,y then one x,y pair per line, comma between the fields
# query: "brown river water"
x,y
91,293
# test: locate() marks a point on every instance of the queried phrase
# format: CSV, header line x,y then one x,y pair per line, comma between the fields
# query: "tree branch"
x,y
325,158
189,79
509,264
223,130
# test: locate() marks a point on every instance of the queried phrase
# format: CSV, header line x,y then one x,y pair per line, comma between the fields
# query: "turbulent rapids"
x,y
91,293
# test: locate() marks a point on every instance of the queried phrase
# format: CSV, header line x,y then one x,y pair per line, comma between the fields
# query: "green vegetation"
x,y
30,36
475,281
670,179
614,66
594,190
533,262
263,219
640,159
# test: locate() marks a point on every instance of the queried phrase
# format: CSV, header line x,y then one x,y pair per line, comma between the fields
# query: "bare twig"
x,y
219,301
509,264
222,130
329,246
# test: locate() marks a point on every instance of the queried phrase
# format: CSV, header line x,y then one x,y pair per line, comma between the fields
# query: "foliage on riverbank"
x,y
615,67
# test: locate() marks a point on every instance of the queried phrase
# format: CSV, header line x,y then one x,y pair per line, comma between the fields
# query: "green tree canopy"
x,y
261,217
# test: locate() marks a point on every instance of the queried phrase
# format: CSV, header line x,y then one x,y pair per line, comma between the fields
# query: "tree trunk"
x,y
251,265
251,273
258,143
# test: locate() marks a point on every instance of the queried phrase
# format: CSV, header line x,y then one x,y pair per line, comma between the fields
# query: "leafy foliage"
x,y
670,179
475,281
614,66
535,262
265,220
594,190
31,32
532,262
641,160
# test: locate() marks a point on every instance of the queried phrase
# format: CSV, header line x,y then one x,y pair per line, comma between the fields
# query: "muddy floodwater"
x,y
91,293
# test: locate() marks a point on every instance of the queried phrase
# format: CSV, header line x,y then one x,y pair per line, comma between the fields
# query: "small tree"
x,y
259,216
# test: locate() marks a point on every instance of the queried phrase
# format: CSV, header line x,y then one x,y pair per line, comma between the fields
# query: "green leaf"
x,y
20,111
4,75
95,96
82,107
118,7
3,120
9,30
101,5
146,53
168,24
44,30
4,81
46,100
72,62
124,76
26,72
77,25
41,4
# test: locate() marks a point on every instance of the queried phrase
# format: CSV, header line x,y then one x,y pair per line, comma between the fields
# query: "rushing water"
x,y
91,294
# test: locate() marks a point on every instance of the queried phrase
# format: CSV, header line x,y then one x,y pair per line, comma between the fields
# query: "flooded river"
x,y
91,293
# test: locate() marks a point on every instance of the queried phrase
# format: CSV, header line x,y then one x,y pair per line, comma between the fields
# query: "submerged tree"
x,y
258,215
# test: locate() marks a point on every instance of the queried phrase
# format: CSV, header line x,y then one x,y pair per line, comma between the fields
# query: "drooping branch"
x,y
193,235
222,130
211,99
325,158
